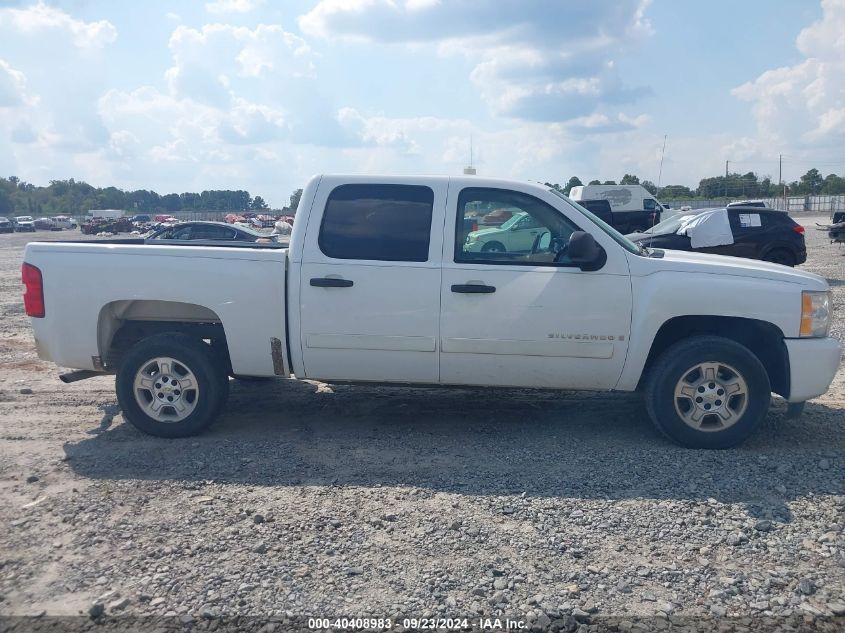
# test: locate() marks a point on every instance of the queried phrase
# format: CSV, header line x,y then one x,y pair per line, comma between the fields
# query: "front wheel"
x,y
707,392
170,385
493,247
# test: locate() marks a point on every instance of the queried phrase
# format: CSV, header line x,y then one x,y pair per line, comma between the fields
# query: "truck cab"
x,y
634,208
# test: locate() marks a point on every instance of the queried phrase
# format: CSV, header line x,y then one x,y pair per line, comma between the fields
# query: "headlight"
x,y
815,313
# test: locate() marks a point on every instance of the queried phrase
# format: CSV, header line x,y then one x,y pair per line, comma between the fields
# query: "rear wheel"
x,y
780,256
170,385
493,247
707,392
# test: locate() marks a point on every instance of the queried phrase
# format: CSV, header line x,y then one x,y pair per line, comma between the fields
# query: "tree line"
x,y
72,197
734,185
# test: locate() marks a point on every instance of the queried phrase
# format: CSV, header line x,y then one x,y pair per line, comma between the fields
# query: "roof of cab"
x,y
463,180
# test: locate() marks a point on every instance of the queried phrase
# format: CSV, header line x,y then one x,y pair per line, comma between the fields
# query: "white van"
x,y
111,214
634,208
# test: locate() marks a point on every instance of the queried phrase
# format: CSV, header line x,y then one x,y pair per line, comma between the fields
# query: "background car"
x,y
517,235
496,217
756,232
748,203
24,223
836,232
64,222
141,218
46,224
6,226
210,231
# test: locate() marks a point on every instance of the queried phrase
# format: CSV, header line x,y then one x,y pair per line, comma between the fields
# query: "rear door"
x,y
370,280
748,230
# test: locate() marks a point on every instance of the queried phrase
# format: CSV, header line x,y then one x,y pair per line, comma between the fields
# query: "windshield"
x,y
671,225
516,217
25,218
623,241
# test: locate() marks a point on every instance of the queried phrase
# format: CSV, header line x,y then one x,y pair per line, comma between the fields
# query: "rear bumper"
x,y
813,362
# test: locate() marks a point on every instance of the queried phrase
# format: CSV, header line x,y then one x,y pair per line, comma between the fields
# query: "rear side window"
x,y
380,222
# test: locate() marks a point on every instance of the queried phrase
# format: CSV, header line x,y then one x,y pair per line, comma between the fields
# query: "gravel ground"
x,y
559,510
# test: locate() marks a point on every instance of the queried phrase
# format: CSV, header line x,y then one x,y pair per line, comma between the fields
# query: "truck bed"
x,y
93,288
141,241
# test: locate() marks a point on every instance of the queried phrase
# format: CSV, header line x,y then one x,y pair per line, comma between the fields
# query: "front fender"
x,y
666,295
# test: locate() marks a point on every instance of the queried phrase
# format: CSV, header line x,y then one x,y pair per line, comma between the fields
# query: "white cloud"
x,y
232,6
206,61
803,105
13,87
533,60
441,145
45,21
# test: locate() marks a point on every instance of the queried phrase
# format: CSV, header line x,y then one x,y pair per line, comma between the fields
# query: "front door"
x,y
527,316
370,282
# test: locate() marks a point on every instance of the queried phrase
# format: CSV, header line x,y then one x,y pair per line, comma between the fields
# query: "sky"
x,y
262,94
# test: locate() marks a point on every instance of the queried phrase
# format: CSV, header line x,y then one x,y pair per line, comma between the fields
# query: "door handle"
x,y
330,282
479,289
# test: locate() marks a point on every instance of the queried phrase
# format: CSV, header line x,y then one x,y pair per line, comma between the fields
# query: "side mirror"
x,y
585,251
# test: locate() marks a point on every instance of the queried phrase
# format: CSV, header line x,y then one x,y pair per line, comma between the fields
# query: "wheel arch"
x,y
497,243
122,323
763,339
779,246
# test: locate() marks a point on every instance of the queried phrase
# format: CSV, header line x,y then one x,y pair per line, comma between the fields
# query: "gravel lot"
x,y
562,510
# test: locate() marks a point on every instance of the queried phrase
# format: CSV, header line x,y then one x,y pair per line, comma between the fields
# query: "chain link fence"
x,y
811,205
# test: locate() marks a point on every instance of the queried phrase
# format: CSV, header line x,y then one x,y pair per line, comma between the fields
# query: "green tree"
x,y
650,187
676,191
812,182
575,181
294,200
833,185
609,182
258,204
595,182
171,202
6,206
629,179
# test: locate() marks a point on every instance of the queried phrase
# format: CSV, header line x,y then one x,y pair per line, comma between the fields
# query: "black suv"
x,y
758,233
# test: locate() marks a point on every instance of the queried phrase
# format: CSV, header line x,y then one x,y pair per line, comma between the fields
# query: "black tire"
x,y
675,364
780,256
494,247
189,352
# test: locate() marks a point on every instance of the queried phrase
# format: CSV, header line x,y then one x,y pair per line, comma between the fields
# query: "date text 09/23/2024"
x,y
351,624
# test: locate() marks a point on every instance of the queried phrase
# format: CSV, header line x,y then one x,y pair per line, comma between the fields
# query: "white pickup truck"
x,y
381,284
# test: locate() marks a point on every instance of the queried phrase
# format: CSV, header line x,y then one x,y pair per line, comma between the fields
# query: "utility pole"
x,y
660,173
726,178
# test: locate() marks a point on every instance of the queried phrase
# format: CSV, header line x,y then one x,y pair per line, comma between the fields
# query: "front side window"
x,y
649,204
536,234
377,222
212,233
